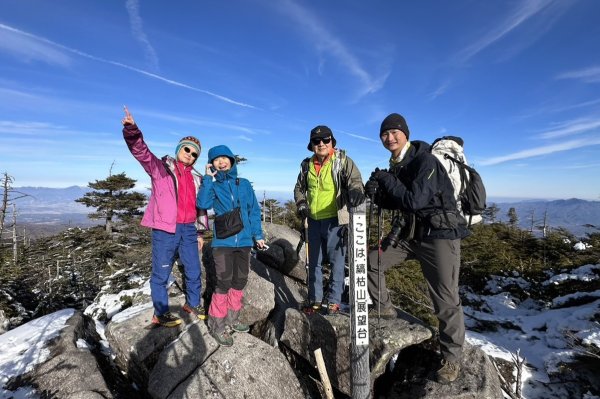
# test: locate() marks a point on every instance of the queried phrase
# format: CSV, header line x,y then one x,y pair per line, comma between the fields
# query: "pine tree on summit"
x,y
112,198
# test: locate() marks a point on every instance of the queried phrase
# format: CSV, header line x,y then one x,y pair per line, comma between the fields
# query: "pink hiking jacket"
x,y
161,212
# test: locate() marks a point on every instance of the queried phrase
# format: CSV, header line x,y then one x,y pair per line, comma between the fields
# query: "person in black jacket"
x,y
428,227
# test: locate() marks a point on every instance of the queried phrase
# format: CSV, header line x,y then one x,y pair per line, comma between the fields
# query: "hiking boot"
x,y
167,320
197,311
385,313
223,339
331,308
311,307
240,327
447,372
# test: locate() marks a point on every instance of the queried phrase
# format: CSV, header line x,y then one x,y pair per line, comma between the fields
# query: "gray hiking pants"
x,y
440,263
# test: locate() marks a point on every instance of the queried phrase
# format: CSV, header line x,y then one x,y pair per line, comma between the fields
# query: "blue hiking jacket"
x,y
222,195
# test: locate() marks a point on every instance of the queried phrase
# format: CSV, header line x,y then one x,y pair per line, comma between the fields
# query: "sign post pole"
x,y
359,310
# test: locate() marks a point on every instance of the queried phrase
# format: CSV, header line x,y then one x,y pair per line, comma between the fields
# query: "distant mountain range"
x,y
576,215
56,208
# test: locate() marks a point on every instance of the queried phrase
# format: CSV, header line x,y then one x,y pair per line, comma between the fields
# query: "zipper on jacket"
x,y
168,168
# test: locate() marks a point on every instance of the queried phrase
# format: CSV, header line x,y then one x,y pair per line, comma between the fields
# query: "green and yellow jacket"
x,y
327,193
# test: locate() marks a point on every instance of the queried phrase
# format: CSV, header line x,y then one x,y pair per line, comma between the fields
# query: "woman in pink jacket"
x,y
175,222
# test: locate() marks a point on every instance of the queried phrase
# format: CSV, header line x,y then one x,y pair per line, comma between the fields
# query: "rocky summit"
x,y
136,359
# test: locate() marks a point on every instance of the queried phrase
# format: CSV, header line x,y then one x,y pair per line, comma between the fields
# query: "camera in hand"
x,y
393,237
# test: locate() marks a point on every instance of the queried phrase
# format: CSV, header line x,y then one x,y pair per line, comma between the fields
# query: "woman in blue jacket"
x,y
222,190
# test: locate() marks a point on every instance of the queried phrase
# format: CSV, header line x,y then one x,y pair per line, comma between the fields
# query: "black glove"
x,y
379,174
371,188
385,179
355,198
302,209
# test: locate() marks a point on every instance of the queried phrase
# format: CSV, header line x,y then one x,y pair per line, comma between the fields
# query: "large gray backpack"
x,y
469,190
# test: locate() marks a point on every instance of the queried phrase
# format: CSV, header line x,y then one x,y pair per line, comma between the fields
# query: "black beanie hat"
x,y
320,132
394,121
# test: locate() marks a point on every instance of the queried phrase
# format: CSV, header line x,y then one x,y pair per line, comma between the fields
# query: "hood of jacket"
x,y
223,151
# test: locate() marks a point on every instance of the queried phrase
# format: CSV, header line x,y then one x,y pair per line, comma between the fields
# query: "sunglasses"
x,y
316,141
187,149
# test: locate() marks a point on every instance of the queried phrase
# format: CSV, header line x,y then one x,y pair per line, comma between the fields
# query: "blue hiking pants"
x,y
326,236
164,247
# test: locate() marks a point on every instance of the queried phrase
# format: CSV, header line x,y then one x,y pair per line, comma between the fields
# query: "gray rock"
x,y
259,297
250,369
71,371
388,337
148,353
85,395
137,345
478,379
282,254
280,232
180,358
4,322
289,293
304,334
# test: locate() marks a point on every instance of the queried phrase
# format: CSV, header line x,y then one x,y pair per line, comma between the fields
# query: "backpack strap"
x,y
304,166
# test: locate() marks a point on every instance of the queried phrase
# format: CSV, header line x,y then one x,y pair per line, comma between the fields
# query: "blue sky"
x,y
518,80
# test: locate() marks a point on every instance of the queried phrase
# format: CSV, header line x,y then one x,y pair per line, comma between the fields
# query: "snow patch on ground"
x,y
25,346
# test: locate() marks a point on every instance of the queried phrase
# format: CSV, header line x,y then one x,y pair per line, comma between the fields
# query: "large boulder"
x,y
289,293
414,379
180,359
284,253
72,370
250,369
137,343
186,361
304,334
388,337
259,296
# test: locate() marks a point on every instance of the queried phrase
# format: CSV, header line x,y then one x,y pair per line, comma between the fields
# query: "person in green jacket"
x,y
328,183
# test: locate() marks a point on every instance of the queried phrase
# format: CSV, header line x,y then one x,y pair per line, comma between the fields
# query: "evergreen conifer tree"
x,y
513,219
112,198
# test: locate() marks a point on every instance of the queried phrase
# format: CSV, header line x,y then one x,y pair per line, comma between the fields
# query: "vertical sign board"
x,y
359,311
358,278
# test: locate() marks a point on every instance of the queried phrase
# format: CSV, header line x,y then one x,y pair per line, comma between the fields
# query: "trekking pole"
x,y
306,239
379,216
306,251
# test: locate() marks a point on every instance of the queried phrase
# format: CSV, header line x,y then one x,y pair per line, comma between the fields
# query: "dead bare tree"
x,y
6,186
519,362
14,237
9,195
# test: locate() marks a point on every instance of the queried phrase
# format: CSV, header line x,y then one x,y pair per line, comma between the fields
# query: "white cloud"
x,y
544,150
137,29
440,90
28,49
363,137
245,138
327,43
525,11
588,75
204,122
121,65
31,128
571,127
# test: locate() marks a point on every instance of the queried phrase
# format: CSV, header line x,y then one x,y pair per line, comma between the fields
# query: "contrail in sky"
x,y
119,64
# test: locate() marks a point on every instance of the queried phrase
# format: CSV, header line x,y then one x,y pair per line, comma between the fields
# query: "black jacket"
x,y
419,184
